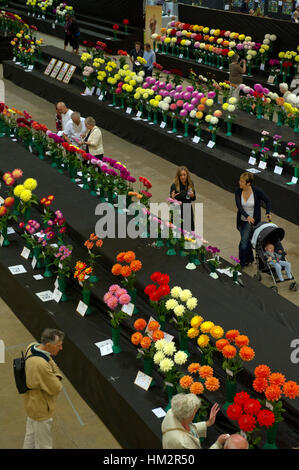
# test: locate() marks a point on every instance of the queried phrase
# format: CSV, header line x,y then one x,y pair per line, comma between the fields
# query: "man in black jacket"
x,y
75,33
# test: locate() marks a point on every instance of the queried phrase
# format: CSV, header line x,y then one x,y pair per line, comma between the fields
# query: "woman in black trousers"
x,y
183,190
248,201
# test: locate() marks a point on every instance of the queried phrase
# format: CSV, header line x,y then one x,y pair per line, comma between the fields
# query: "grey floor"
x,y
75,424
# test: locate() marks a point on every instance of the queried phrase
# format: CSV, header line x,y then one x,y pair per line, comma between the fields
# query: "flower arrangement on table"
x,y
26,48
158,295
127,272
201,379
62,261
31,228
145,337
116,298
273,386
288,63
236,268
44,8
214,262
180,307
93,242
167,358
229,107
251,417
126,23
39,138
115,29
61,11
10,179
233,359
26,198
12,23
83,274
200,330
6,215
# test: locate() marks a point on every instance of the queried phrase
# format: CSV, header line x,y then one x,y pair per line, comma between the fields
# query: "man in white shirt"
x,y
65,114
74,129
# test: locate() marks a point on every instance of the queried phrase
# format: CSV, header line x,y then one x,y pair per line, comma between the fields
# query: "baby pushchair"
x,y
266,232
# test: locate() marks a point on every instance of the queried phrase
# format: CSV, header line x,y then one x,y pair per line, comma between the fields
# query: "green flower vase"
x,y
162,323
72,172
92,187
86,294
48,272
133,294
6,242
271,437
27,214
235,276
279,120
37,256
296,126
171,248
184,342
174,122
170,392
148,369
186,129
115,337
230,391
62,283
228,128
85,182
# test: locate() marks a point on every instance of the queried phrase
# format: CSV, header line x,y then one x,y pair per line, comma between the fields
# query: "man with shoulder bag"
x,y
43,383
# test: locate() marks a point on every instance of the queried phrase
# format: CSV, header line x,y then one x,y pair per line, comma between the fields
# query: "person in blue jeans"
x,y
248,201
274,260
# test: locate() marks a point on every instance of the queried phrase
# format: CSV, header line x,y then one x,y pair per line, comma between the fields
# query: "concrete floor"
x,y
75,425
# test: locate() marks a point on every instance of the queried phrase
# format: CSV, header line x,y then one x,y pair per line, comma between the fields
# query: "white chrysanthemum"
x,y
169,348
267,36
159,345
139,79
141,73
232,100
176,292
167,99
185,295
192,113
179,310
158,357
273,37
171,304
231,108
214,120
191,303
166,365
180,357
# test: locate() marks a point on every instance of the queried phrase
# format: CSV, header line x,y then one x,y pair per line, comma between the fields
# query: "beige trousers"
x,y
38,434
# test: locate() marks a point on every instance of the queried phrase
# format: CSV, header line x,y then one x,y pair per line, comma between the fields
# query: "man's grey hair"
x,y
51,335
75,115
236,441
183,405
90,121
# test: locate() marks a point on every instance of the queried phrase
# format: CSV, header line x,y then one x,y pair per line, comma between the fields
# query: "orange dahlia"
x,y
125,271
246,353
153,325
129,256
88,244
291,389
158,334
197,388
273,393
205,372
136,265
99,243
262,371
232,334
93,237
186,381
116,269
229,351
221,343
136,338
140,324
145,342
194,367
277,379
212,384
241,340
260,384
120,256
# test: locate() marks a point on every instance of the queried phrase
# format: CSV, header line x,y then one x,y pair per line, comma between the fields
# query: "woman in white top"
x,y
93,138
248,201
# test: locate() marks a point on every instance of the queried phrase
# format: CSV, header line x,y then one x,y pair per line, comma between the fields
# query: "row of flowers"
x,y
26,47
177,303
13,23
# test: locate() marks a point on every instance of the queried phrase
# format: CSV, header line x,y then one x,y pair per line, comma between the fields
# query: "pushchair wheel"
x,y
293,286
258,276
274,288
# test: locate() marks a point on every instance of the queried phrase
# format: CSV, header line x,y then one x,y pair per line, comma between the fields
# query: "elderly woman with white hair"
x,y
178,430
92,138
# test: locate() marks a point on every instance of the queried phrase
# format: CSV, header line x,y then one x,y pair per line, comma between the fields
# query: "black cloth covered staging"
x,y
221,165
253,26
270,321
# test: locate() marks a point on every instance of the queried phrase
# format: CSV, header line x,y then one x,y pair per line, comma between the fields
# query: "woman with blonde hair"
x,y
182,189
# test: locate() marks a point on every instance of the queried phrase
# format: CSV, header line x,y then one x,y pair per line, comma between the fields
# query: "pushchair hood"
x,y
266,230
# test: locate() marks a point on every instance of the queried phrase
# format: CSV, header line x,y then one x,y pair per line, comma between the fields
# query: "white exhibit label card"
x,y
143,380
45,296
159,412
19,269
81,308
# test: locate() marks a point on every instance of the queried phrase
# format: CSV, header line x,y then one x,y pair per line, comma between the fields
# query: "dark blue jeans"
x,y
245,250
